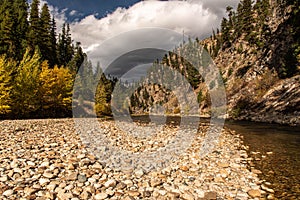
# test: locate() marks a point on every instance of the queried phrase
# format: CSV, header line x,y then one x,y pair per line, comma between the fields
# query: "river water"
x,y
275,150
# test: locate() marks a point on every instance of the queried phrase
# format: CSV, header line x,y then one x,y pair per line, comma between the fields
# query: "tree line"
x,y
37,65
250,22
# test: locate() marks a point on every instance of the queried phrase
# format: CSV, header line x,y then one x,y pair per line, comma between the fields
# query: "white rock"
x,y
110,183
101,196
44,181
8,193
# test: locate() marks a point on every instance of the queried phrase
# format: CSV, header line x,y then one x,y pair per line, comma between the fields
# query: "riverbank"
x,y
274,150
46,159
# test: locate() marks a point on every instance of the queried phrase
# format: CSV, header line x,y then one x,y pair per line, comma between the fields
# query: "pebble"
x,y
4,178
110,183
56,165
81,178
8,193
210,195
139,173
254,193
44,181
101,196
48,175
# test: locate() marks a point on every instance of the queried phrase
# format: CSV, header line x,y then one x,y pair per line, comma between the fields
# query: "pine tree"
x,y
7,41
34,29
13,28
77,59
53,41
245,17
20,8
225,29
65,50
45,35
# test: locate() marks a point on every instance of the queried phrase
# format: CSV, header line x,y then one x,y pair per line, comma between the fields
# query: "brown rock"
x,y
210,195
224,165
155,182
72,176
184,168
254,193
133,193
101,196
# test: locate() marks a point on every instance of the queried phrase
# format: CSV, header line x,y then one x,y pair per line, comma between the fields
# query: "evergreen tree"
x,y
53,42
20,8
7,41
65,50
77,60
245,17
34,19
225,29
13,27
45,35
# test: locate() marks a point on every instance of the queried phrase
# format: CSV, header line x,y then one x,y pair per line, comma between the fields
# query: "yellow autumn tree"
x,y
55,90
25,88
6,67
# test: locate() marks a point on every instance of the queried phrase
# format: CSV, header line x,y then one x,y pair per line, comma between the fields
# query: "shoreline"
x,y
47,158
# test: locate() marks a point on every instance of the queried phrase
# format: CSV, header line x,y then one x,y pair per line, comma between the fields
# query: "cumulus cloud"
x,y
179,16
196,18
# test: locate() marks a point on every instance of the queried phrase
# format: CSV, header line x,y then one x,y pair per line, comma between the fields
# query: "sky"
x,y
105,27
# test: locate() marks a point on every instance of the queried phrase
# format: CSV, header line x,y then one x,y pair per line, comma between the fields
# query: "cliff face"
x,y
260,68
263,83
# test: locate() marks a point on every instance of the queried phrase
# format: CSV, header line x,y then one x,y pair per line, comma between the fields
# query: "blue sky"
x,y
82,8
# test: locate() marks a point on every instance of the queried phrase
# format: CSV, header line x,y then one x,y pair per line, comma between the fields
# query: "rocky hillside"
x,y
257,51
262,73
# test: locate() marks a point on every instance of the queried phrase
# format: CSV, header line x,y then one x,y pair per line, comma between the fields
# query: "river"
x,y
275,150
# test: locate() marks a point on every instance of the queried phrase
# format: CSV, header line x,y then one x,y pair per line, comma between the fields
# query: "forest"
x,y
37,65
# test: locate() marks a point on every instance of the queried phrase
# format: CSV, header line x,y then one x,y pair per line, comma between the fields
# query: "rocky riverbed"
x,y
45,159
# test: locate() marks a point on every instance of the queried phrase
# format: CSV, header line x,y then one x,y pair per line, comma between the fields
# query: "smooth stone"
x,y
133,193
146,194
101,196
44,181
188,196
256,171
8,193
139,173
48,175
254,193
129,183
4,178
81,178
72,176
29,191
224,165
184,168
110,183
155,182
210,195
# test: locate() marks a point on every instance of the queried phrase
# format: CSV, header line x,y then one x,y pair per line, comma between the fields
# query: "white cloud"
x,y
193,18
196,17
